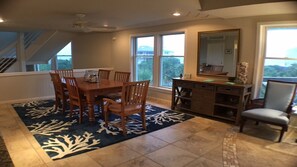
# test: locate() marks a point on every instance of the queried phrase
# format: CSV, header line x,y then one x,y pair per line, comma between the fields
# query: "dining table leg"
x,y
91,102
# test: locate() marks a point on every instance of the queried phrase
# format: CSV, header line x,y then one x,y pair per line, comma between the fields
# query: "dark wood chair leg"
x,y
81,110
281,135
143,120
71,109
63,106
56,104
106,115
123,124
243,120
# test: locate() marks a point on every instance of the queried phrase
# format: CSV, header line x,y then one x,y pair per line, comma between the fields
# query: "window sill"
x,y
161,89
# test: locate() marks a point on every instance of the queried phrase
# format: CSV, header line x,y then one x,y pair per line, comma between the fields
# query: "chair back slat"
x,y
65,73
103,74
73,90
58,87
121,76
279,95
134,93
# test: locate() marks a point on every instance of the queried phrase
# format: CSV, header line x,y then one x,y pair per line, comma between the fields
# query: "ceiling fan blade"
x,y
99,29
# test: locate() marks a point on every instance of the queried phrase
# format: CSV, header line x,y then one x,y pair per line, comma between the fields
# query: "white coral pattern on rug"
x,y
41,112
30,104
133,127
165,116
108,130
64,145
49,128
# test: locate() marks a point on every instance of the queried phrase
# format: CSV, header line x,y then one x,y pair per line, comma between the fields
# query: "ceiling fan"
x,y
82,25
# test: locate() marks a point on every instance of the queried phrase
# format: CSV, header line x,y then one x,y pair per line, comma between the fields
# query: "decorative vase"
x,y
242,72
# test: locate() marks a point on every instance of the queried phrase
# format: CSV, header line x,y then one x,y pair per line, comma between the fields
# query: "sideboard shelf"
x,y
219,99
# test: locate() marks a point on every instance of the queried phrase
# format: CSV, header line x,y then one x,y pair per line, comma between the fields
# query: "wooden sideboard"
x,y
213,98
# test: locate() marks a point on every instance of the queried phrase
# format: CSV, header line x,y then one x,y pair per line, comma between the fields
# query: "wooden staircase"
x,y
5,63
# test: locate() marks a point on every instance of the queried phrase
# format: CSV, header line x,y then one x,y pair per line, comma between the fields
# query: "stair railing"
x,y
30,37
8,57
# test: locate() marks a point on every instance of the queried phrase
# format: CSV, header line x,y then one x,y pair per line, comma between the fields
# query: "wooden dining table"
x,y
94,89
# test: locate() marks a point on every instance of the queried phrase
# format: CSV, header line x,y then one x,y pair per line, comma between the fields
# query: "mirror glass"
x,y
218,52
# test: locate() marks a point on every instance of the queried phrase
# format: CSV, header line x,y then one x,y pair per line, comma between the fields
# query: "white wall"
x,y
95,50
92,50
24,86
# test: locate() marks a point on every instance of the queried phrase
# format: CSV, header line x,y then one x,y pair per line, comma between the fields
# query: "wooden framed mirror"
x,y
218,52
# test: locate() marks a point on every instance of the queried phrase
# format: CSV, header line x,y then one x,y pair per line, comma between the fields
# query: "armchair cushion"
x,y
267,115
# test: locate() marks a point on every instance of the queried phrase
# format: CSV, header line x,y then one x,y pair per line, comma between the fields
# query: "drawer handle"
x,y
229,89
203,86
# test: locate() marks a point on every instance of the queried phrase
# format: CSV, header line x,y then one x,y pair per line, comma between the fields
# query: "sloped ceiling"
x,y
123,14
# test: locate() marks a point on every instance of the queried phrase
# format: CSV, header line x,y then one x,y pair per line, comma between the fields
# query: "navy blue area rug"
x,y
62,136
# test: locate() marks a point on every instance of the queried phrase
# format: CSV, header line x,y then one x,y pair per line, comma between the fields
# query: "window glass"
x,y
43,67
172,58
173,45
64,58
144,58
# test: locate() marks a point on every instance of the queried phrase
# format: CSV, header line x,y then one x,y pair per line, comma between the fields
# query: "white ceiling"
x,y
123,14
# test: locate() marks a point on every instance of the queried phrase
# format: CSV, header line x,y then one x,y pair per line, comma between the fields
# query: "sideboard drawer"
x,y
228,90
183,84
204,86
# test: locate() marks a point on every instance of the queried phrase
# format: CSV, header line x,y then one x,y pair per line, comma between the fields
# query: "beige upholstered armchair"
x,y
276,108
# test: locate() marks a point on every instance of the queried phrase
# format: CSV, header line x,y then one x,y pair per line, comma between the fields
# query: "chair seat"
x,y
128,109
268,115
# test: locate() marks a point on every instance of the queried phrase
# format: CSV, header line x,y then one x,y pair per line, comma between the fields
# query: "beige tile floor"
x,y
198,142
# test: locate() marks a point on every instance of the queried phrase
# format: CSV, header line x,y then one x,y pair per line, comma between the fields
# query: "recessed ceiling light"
x,y
105,25
1,20
176,14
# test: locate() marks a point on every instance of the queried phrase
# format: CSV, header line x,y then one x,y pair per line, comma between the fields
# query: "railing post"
x,y
20,52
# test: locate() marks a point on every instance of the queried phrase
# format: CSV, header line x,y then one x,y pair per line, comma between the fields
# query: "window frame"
x,y
156,57
162,56
261,52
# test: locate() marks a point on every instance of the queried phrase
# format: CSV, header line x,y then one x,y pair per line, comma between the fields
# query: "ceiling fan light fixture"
x,y
176,14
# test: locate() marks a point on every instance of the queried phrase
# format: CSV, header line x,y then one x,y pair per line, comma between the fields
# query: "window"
x,y
172,58
63,60
144,58
279,56
158,58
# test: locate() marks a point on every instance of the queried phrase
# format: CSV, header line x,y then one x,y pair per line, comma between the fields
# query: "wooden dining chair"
x,y
76,98
122,77
65,73
133,101
103,74
61,95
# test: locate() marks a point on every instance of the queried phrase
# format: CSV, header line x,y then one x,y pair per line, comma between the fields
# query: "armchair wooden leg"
x,y
282,134
243,120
